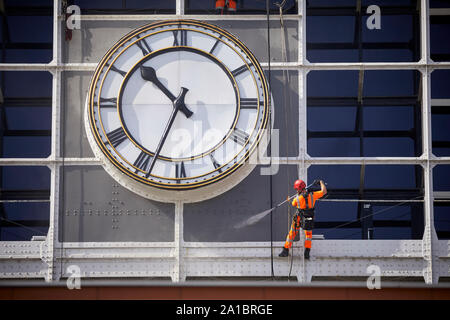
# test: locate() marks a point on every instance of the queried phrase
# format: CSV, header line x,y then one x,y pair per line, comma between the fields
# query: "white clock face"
x,y
178,105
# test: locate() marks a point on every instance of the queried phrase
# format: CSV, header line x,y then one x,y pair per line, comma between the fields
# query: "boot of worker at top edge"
x,y
220,4
307,250
284,252
231,5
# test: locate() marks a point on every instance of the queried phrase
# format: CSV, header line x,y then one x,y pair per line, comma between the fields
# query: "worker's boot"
x,y
307,250
284,253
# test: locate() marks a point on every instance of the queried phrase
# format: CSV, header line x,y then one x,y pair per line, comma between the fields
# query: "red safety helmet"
x,y
299,185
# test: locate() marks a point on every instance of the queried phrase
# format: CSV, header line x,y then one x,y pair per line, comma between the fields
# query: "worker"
x,y
229,4
304,202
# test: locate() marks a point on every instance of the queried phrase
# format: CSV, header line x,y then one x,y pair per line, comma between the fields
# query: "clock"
x,y
176,108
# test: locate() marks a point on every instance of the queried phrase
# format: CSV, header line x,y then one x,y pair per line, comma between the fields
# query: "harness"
x,y
307,214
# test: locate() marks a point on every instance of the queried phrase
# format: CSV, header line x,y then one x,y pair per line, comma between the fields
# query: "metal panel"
x,y
284,89
215,219
75,86
95,208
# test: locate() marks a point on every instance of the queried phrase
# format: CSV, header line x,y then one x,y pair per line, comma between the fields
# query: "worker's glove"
x,y
316,182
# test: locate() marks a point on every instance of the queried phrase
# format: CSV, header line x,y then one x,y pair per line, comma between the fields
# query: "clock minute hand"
x,y
149,74
178,103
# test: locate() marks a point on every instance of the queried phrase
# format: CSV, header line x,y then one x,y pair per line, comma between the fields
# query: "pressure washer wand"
x,y
257,217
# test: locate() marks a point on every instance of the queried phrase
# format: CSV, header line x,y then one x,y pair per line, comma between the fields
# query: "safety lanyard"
x,y
308,195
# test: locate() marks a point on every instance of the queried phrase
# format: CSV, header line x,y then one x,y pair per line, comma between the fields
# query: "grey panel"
x,y
95,208
214,220
284,85
75,88
96,37
254,35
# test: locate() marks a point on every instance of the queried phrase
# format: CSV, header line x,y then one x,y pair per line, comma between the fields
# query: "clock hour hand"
x,y
149,74
178,104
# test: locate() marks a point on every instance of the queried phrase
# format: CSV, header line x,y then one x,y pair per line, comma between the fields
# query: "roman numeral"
x,y
240,70
183,38
107,102
115,69
239,136
144,48
215,45
249,103
116,137
142,161
215,163
180,171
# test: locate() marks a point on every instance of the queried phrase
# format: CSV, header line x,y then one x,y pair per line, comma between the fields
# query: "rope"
x,y
287,105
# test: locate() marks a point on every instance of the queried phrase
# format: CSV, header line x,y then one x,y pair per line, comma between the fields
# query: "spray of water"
x,y
253,219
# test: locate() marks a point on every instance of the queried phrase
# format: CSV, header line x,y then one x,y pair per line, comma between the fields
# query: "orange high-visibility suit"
x,y
302,221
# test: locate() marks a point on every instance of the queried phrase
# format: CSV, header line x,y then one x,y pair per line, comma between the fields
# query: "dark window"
x,y
371,113
439,31
439,4
441,175
242,7
25,115
442,219
337,31
125,6
26,29
24,206
440,110
441,188
345,218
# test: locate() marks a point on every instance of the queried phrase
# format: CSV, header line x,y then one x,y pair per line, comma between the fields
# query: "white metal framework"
x,y
428,258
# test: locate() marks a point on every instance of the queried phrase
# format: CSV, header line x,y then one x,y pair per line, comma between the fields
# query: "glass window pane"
x,y
340,216
25,178
340,32
439,31
23,220
332,84
24,118
388,118
442,220
439,4
126,7
28,3
26,115
391,83
441,175
384,120
24,206
331,118
27,84
26,30
392,177
26,147
440,109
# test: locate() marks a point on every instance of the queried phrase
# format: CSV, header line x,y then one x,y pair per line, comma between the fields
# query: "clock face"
x,y
178,105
